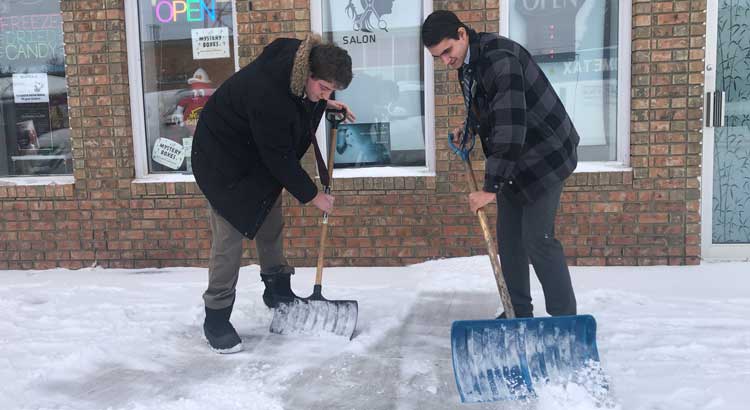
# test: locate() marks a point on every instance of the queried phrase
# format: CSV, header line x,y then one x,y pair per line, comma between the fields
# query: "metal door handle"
x,y
720,111
715,110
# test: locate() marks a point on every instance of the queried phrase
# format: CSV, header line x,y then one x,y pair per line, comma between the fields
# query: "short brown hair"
x,y
439,25
332,63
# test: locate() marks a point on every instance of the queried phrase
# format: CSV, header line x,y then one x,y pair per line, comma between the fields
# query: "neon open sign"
x,y
194,10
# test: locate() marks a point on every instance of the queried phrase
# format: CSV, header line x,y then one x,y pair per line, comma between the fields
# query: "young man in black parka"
x,y
247,147
530,146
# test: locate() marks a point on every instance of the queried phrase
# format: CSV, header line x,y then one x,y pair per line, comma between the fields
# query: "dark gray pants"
x,y
527,232
226,254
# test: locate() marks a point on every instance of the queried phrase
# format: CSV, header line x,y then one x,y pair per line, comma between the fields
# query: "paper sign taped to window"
x,y
168,153
30,88
210,43
187,144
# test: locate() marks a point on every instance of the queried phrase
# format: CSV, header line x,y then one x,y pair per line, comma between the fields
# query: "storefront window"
x,y
34,125
187,51
576,44
387,92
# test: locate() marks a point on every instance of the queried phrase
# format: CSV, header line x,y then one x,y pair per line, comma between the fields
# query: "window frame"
x,y
428,71
137,114
624,33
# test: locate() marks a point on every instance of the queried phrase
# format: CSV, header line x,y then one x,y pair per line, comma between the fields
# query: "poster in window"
x,y
26,137
30,88
363,144
387,94
210,43
168,153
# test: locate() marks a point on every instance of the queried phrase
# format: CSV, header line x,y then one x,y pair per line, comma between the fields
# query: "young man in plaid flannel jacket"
x,y
530,146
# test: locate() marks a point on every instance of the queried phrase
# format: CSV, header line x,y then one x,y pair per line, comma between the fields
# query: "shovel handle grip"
x,y
497,270
335,116
464,147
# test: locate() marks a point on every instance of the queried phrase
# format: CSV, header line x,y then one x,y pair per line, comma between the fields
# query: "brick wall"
x,y
649,215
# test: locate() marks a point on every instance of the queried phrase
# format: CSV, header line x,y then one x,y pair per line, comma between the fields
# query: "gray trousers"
x,y
527,232
226,254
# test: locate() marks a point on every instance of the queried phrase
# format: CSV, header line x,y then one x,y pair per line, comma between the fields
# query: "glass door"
x,y
726,142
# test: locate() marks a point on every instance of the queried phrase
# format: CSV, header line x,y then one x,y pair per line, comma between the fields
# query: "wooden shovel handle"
x,y
324,225
321,251
502,288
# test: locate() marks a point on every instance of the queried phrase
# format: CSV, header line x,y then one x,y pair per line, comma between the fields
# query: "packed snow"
x,y
669,338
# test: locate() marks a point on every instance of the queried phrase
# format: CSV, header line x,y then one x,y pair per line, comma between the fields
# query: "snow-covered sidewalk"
x,y
669,338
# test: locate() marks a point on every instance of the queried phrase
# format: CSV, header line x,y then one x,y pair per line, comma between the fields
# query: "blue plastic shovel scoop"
x,y
503,359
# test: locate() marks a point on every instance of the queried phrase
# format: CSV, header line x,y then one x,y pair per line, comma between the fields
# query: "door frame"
x,y
709,250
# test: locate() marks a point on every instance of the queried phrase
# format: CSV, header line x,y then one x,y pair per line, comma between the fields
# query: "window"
x,y
185,50
34,124
584,51
389,92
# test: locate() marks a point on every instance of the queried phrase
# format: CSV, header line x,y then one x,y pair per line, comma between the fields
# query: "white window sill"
x,y
372,172
164,178
26,181
603,166
382,172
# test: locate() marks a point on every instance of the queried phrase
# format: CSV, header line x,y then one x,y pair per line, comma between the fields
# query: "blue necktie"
x,y
472,123
466,87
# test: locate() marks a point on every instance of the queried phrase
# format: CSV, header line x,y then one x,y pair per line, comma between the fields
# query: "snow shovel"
x,y
316,314
503,359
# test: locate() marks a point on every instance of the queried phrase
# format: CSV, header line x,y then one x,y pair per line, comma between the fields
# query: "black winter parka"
x,y
252,133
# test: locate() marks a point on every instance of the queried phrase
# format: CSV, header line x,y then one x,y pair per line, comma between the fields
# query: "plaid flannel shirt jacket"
x,y
527,136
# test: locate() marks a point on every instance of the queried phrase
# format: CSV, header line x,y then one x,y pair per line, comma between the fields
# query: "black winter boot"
x,y
278,285
220,334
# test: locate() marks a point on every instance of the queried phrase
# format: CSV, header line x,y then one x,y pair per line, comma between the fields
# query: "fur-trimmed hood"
x,y
301,64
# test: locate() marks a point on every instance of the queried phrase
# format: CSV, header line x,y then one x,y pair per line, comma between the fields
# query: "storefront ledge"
x,y
609,166
21,188
32,181
382,172
164,178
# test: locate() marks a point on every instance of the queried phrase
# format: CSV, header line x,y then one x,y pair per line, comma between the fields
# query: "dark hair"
x,y
332,63
439,25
